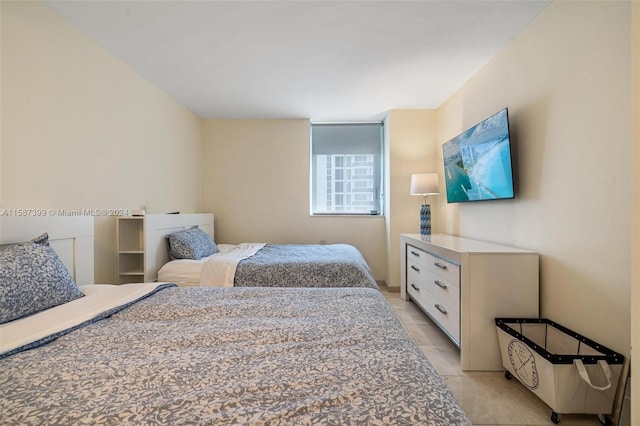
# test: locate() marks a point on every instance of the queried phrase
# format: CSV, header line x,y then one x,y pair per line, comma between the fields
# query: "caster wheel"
x,y
508,375
604,420
555,418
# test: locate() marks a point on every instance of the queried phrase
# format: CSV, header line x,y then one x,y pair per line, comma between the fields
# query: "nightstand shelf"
x,y
130,246
141,242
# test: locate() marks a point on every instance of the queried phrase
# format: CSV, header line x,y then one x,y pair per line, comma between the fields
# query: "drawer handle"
x,y
415,253
415,268
440,265
441,309
439,284
416,288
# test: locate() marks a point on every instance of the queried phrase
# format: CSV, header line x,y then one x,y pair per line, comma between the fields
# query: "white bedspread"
x,y
98,299
221,268
217,270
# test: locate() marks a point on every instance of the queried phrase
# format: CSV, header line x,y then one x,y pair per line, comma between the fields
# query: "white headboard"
x,y
158,226
70,236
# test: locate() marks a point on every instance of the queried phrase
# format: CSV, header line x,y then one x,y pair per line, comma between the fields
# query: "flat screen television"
x,y
477,163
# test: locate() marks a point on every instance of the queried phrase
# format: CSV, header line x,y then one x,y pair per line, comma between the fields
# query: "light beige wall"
x,y
635,234
566,80
1,31
411,148
256,182
82,130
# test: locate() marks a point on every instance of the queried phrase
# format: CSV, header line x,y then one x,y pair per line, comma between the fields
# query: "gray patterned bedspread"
x,y
223,356
297,265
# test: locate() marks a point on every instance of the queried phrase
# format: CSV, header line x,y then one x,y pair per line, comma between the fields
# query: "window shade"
x,y
357,138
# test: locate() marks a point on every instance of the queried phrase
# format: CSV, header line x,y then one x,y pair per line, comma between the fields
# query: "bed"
x,y
194,258
273,265
155,353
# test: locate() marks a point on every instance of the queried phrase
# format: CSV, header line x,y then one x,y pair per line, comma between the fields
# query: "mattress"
x,y
228,356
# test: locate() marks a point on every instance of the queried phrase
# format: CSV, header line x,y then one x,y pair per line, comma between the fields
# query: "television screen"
x,y
477,163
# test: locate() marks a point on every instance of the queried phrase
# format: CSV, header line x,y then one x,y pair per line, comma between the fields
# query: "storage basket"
x,y
569,372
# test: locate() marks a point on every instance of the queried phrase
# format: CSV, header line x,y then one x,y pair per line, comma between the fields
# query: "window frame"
x,y
349,162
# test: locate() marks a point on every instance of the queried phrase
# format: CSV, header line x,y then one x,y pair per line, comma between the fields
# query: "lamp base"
x,y
425,219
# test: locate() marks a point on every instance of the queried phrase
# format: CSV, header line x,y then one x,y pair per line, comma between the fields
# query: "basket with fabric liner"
x,y
569,372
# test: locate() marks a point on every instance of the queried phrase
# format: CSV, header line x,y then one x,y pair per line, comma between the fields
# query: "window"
x,y
346,168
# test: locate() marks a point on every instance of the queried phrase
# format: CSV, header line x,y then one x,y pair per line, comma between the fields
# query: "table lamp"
x,y
425,184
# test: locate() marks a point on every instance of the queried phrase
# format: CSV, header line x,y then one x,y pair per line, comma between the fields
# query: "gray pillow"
x,y
32,279
192,243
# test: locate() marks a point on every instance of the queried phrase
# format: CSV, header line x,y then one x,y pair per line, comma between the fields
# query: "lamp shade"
x,y
424,184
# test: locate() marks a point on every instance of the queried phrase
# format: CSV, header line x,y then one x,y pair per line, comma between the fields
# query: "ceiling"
x,y
323,60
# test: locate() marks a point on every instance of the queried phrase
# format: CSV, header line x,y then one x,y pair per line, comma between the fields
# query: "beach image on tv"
x,y
477,163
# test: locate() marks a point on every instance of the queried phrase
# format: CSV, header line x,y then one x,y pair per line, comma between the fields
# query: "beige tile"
x,y
490,399
411,314
397,303
572,420
445,359
427,335
493,400
389,294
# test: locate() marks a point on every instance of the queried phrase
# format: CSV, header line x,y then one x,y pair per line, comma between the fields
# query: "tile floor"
x,y
487,397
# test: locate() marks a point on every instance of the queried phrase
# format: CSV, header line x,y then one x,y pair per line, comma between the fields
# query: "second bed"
x,y
273,265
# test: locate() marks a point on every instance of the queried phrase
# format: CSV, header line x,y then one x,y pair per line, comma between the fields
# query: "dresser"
x,y
464,284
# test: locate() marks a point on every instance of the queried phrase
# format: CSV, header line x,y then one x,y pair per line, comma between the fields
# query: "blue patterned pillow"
x,y
42,240
32,279
192,243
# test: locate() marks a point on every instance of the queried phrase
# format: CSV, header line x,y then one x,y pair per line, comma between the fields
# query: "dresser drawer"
x,y
415,290
446,291
419,293
416,255
416,279
447,270
416,271
445,314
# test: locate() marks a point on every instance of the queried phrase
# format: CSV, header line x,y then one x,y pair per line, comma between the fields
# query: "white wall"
x,y
80,129
635,234
1,102
567,82
256,181
410,148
